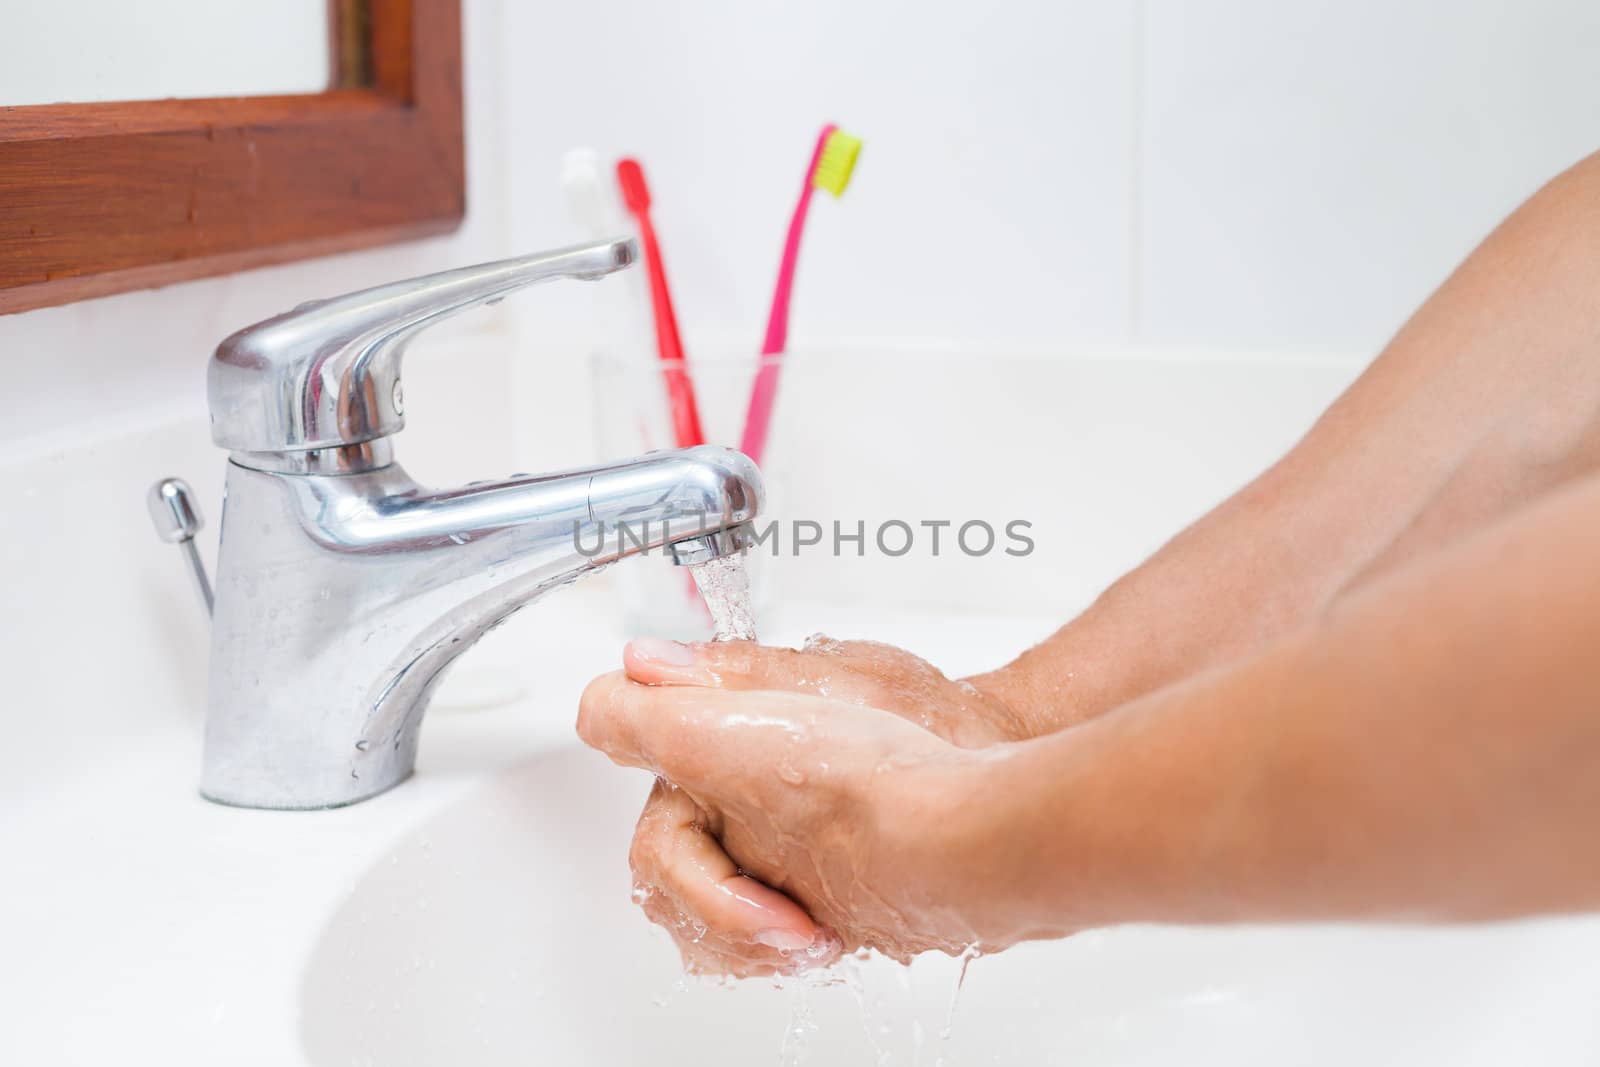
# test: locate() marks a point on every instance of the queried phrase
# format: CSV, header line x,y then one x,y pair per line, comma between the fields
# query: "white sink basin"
x,y
501,932
479,914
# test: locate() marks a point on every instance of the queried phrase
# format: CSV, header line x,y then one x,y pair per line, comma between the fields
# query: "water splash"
x,y
876,1023
802,984
724,584
968,954
802,1024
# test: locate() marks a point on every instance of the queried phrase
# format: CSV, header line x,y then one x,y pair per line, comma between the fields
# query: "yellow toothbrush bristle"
x,y
838,160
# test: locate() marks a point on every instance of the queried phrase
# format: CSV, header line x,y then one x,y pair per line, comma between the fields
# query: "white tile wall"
x,y
1041,178
1314,168
1280,175
991,199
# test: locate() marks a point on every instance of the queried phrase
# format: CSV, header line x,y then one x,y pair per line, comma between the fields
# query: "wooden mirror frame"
x,y
102,198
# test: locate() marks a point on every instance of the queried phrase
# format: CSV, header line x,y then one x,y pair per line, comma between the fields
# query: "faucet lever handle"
x,y
327,374
177,519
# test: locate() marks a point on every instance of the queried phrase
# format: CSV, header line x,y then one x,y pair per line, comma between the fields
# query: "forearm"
x,y
1485,397
1430,749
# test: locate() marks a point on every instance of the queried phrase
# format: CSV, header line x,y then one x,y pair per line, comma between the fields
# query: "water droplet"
x,y
821,643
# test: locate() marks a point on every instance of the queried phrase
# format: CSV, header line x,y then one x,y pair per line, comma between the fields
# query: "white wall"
x,y
1311,169
1278,175
1272,173
1048,179
991,200
1282,176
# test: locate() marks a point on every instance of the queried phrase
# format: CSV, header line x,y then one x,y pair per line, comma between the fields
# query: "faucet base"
x,y
257,804
365,774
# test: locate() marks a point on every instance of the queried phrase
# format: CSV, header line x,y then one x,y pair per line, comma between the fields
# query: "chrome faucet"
x,y
343,588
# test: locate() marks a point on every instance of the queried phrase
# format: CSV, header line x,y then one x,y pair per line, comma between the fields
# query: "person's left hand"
x,y
797,825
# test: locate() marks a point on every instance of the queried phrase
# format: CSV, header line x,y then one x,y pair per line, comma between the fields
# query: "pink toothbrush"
x,y
831,163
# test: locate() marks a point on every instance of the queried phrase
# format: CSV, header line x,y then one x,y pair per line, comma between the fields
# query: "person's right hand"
x,y
966,713
799,825
724,921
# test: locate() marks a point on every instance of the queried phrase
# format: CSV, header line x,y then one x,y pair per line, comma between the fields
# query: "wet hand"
x,y
684,881
966,713
799,824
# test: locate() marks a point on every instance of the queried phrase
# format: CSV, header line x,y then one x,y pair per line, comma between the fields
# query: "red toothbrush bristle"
x,y
635,193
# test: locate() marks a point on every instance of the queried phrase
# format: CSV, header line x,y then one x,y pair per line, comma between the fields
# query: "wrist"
x,y
1049,687
1069,832
978,850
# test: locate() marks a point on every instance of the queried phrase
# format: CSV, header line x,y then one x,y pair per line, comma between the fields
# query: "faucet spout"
x,y
341,600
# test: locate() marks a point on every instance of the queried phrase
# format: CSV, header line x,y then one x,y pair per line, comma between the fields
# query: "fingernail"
x,y
782,940
670,653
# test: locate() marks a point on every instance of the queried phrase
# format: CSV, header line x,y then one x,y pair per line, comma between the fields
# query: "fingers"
x,y
831,671
726,664
710,741
789,782
723,920
856,672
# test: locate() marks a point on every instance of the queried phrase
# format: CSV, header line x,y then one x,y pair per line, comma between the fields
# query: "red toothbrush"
x,y
680,390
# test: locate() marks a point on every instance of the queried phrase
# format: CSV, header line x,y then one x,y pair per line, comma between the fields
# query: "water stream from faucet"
x,y
724,585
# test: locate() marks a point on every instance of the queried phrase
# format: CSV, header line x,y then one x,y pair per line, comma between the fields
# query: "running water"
x,y
724,584
796,1048
968,954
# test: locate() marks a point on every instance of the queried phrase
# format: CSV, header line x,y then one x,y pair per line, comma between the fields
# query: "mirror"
x,y
89,51
184,138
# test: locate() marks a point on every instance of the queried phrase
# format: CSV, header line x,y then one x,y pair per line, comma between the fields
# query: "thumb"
x,y
726,664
